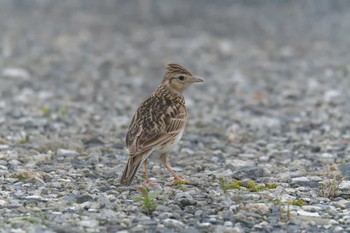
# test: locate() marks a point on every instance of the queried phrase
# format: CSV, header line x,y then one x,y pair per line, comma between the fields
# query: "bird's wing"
x,y
146,132
176,124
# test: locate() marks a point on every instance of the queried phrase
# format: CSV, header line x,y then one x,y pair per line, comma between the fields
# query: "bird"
x,y
158,124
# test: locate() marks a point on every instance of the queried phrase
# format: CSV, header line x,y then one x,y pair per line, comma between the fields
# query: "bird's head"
x,y
178,78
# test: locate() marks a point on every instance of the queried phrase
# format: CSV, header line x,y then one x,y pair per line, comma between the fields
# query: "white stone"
x,y
311,208
246,156
67,153
204,224
3,202
345,184
228,224
287,51
327,156
315,178
308,214
333,222
15,72
173,223
18,230
90,223
257,207
237,163
34,197
264,158
300,179
331,95
4,147
341,203
225,47
338,229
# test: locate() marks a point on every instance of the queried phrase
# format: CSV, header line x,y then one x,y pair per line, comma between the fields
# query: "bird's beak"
x,y
196,79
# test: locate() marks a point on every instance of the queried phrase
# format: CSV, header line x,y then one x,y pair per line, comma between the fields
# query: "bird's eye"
x,y
181,78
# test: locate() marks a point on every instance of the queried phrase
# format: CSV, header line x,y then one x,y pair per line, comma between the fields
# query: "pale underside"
x,y
157,150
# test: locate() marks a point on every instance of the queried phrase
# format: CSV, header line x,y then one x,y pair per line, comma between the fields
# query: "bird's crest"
x,y
173,69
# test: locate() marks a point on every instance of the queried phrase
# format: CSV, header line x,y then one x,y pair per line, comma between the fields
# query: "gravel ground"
x,y
267,143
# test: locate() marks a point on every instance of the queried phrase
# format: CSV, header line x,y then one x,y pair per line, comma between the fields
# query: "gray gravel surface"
x,y
274,112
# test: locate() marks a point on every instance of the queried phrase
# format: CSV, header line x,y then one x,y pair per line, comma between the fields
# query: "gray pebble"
x,y
83,198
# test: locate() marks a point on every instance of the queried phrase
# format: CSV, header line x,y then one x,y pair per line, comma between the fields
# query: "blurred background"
x,y
101,58
274,108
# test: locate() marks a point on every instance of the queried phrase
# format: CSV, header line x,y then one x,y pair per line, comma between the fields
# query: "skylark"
x,y
158,123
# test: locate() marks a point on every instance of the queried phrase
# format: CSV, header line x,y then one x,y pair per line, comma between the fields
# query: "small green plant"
x,y
31,219
271,186
235,184
22,141
62,112
148,204
70,203
15,223
296,202
44,219
27,175
286,216
179,182
330,186
278,202
46,111
342,68
54,115
254,188
250,185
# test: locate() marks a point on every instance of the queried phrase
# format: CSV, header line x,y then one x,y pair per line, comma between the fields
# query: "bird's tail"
x,y
131,169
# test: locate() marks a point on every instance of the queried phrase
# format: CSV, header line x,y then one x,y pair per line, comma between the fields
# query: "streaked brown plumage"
x,y
158,123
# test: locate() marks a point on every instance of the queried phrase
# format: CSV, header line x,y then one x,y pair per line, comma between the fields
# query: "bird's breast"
x,y
170,144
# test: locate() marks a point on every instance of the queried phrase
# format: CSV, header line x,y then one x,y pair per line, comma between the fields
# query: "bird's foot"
x,y
151,184
178,181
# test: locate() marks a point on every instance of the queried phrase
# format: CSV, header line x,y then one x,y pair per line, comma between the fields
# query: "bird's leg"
x,y
148,182
177,178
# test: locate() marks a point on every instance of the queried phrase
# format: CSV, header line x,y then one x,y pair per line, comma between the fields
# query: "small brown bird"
x,y
158,123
